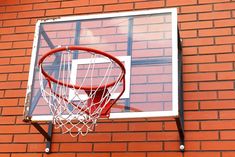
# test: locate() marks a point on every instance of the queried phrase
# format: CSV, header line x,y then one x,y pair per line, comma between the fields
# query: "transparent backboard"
x,y
146,43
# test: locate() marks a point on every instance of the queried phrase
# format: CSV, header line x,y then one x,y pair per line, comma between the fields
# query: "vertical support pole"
x,y
129,52
47,135
180,118
48,143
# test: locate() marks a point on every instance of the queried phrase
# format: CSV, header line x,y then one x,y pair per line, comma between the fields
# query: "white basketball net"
x,y
74,110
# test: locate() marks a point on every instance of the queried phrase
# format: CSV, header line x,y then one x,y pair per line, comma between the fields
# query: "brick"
x,y
7,119
10,129
218,145
128,137
215,49
224,6
12,111
145,146
218,125
165,154
227,114
5,45
20,60
29,1
60,12
219,104
74,3
226,94
18,76
13,148
187,17
180,2
228,154
191,105
128,154
14,37
9,85
189,50
199,59
94,155
174,146
4,61
26,14
226,75
225,40
196,8
5,16
215,32
190,86
12,52
200,95
211,1
107,127
165,136
200,115
25,29
11,68
3,77
188,34
15,93
64,138
22,44
190,68
202,135
216,67
202,154
98,2
224,23
17,22
8,102
145,5
29,138
8,30
199,77
88,9
111,147
118,7
6,138
19,8
221,85
225,57
214,15
26,155
75,147
140,126
96,137
196,25
198,41
46,5
63,155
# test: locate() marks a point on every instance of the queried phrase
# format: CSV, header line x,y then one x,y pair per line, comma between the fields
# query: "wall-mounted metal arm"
x,y
180,118
47,135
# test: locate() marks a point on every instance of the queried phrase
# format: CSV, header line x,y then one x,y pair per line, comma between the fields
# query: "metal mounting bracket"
x,y
47,135
180,118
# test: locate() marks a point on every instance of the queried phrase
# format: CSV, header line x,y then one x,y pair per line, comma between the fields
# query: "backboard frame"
x,y
175,72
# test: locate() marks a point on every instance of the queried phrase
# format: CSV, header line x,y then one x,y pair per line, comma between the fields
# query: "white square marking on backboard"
x,y
127,63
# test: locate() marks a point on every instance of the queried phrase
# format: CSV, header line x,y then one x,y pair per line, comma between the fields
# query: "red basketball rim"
x,y
90,50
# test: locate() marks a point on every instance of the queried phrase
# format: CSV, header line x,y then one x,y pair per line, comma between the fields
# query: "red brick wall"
x,y
207,30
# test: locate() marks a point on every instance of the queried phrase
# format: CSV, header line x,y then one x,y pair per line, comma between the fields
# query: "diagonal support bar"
x,y
180,118
47,135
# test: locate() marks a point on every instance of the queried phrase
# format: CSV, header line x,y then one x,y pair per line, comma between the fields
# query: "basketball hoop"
x,y
76,106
